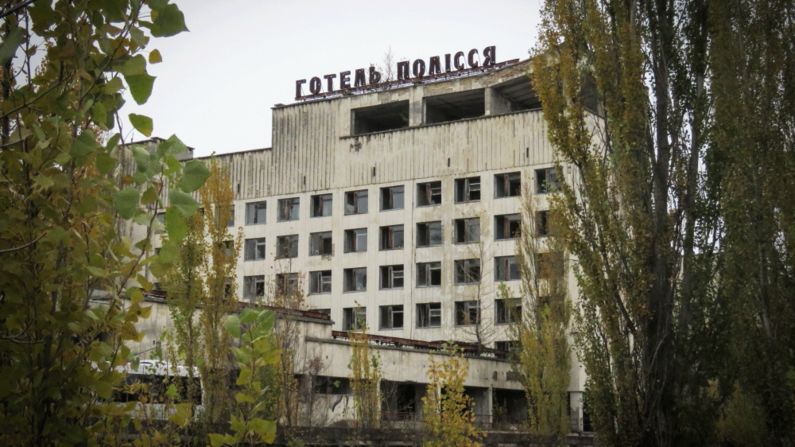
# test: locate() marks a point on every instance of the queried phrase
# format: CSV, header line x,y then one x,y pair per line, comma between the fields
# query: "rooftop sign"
x,y
406,71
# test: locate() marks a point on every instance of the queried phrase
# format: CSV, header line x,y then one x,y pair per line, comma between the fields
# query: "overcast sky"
x,y
217,83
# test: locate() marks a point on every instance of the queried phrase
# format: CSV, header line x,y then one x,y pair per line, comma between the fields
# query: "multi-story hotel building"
x,y
399,207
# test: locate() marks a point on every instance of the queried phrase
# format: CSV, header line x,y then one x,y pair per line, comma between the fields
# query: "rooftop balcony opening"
x,y
455,106
390,116
515,95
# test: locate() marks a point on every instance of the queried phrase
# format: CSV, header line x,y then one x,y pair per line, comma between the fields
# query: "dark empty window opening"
x,y
394,115
429,193
467,189
507,226
508,185
455,106
515,95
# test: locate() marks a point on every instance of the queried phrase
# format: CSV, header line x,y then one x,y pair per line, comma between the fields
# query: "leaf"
x,y
248,316
112,86
181,415
104,389
96,271
168,21
265,429
194,175
176,225
142,123
134,66
172,145
155,57
219,440
84,144
140,87
237,424
126,202
243,398
9,46
184,203
232,325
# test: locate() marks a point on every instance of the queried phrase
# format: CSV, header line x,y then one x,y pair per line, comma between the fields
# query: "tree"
x,y
542,359
447,413
64,197
365,380
625,95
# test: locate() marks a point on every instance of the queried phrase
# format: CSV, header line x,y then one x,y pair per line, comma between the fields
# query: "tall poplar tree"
x,y
624,94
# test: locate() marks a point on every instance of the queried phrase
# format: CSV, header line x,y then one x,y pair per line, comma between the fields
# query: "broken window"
x,y
392,237
429,234
321,205
288,284
429,274
507,226
320,244
467,312
390,116
467,189
508,310
467,230
254,286
546,181
355,279
467,271
429,315
391,317
255,213
288,209
454,106
320,282
254,249
508,184
392,198
506,268
331,385
287,246
391,276
429,193
356,240
356,202
354,318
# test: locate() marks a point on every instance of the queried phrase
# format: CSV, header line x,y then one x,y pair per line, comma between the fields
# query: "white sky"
x,y
217,83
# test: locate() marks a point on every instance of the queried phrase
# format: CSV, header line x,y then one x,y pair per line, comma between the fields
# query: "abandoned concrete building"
x,y
399,207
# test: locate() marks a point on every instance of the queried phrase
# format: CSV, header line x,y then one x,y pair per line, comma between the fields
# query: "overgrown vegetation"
x,y
365,380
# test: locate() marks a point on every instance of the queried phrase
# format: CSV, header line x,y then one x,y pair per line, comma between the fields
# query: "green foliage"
x,y
256,353
67,191
447,413
365,380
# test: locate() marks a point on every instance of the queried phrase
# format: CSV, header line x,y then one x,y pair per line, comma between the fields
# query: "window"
x,y
429,315
331,385
542,223
392,198
160,223
429,193
321,205
231,221
379,118
355,279
467,230
288,284
504,348
356,202
467,271
507,226
508,184
320,244
392,237
391,317
228,248
429,274
288,209
356,240
320,282
255,213
254,286
429,234
454,106
506,268
287,246
508,310
391,276
467,312
546,181
354,318
254,249
467,189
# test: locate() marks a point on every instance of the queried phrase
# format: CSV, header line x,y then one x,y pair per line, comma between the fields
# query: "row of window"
x,y
429,274
429,315
429,234
392,197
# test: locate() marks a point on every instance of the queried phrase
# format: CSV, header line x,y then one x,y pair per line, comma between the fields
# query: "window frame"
x,y
254,243
389,274
467,233
352,239
507,310
352,203
460,265
429,268
388,194
425,193
318,280
466,307
247,285
391,310
320,199
280,252
291,203
505,270
424,228
503,184
503,223
352,317
252,210
437,310
349,279
387,239
320,251
465,188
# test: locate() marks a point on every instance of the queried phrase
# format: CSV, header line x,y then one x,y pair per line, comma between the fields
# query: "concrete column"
x,y
495,103
416,111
